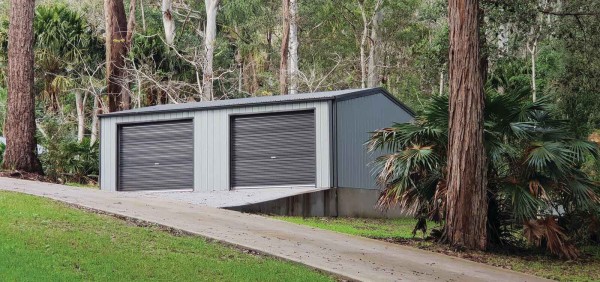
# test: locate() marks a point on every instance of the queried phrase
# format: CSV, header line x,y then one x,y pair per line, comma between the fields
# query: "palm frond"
x,y
524,205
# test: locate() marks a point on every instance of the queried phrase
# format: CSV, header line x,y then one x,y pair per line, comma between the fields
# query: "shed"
x,y
301,140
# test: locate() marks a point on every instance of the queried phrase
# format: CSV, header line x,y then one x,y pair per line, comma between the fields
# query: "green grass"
x,y
586,269
43,240
398,228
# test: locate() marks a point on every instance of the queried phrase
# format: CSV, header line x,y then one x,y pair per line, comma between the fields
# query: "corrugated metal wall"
x,y
211,142
355,119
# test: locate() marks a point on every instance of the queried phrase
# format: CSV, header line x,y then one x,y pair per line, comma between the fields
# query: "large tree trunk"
x,y
466,210
116,49
373,75
294,68
168,21
210,35
21,145
285,43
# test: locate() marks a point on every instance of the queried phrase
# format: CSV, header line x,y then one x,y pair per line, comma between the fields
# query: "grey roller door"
x,y
273,150
156,156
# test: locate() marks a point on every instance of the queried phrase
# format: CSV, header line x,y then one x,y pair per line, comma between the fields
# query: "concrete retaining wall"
x,y
335,202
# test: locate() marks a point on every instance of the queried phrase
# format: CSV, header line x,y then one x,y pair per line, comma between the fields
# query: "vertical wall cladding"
x,y
355,118
212,131
212,143
108,142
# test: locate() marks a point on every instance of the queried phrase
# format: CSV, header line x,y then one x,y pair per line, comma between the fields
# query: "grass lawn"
x,y
43,240
400,230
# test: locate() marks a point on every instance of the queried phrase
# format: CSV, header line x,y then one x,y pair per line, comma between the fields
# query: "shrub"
x,y
66,160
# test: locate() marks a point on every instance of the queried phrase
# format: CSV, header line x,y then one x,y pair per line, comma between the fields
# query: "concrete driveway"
x,y
346,256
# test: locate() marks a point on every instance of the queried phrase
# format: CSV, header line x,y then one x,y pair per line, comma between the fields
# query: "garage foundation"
x,y
334,202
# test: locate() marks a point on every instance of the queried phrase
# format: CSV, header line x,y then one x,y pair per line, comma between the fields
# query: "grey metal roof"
x,y
240,102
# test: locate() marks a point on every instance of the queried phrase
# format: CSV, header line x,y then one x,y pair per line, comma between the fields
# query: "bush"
x,y
66,160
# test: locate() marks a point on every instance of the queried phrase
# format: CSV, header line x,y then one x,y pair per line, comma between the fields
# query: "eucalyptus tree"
x,y
466,202
168,20
119,31
293,70
20,128
210,37
285,47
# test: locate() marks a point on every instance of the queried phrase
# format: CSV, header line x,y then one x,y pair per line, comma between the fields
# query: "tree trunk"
x,y
116,49
373,75
126,90
210,35
532,48
285,42
533,84
363,45
294,68
97,110
21,147
466,211
143,14
441,83
80,107
168,21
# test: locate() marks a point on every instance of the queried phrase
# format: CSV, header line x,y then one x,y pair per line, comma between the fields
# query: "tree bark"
x,y
285,42
532,48
143,14
373,75
466,211
168,21
21,147
294,68
80,107
210,35
116,49
363,45
97,111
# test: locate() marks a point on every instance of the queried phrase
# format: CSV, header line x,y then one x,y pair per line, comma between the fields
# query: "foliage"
x,y
534,166
65,44
2,149
66,160
48,241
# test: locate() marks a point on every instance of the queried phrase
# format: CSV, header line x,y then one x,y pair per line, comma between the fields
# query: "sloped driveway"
x,y
346,256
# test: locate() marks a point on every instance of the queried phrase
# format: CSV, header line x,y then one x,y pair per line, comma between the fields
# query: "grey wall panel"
x,y
355,118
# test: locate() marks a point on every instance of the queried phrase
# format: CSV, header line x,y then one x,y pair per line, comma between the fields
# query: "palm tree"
x,y
63,40
534,166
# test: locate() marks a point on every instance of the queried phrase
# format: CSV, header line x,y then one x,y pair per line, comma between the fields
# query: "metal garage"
x,y
156,156
275,149
301,141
